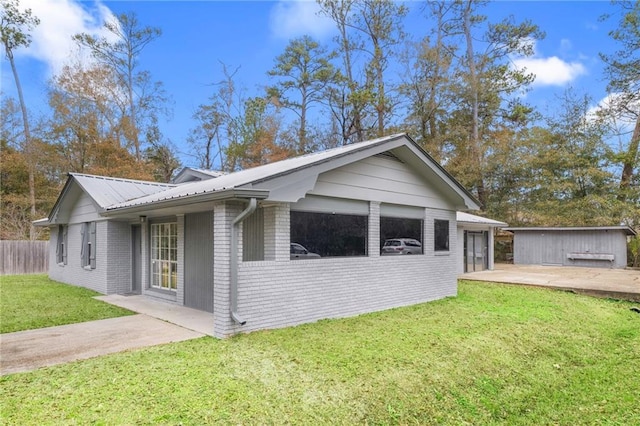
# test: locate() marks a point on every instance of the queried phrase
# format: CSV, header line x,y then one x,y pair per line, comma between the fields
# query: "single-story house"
x,y
231,244
475,242
592,246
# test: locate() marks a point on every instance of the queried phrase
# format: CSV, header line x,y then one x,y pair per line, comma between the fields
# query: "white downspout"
x,y
233,285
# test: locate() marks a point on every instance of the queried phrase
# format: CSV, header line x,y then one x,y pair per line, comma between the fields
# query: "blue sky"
x,y
198,35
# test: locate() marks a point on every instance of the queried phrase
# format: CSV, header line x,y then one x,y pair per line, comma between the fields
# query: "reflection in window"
x,y
441,231
400,228
330,235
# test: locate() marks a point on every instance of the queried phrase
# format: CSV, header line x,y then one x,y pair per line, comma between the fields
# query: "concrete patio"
x,y
613,283
188,318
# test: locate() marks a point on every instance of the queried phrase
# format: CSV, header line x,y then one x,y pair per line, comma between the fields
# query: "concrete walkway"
x,y
193,319
28,350
614,283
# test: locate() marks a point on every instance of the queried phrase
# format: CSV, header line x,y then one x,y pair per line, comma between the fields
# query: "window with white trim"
x,y
164,256
88,246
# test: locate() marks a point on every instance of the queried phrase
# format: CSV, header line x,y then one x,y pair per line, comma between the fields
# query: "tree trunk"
x,y
28,148
473,82
132,111
357,118
381,95
302,143
630,161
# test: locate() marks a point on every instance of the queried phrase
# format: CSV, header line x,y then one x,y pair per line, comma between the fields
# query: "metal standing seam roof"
x,y
626,229
253,175
197,174
106,191
212,173
462,217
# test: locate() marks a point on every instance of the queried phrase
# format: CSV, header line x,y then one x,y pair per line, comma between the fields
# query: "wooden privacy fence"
x,y
24,257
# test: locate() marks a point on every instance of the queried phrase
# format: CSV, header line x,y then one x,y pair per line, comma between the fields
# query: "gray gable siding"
x,y
380,179
84,210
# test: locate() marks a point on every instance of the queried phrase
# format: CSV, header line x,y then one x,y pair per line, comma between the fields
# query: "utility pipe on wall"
x,y
233,285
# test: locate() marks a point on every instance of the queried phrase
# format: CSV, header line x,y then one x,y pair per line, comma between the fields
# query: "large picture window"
x,y
164,256
330,235
441,235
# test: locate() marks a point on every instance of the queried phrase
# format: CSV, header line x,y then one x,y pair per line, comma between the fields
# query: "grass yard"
x,y
34,301
496,354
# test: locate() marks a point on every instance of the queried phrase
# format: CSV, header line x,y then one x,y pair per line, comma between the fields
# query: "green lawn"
x,y
34,301
496,354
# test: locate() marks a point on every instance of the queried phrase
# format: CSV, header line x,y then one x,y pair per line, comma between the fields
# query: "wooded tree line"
x,y
453,89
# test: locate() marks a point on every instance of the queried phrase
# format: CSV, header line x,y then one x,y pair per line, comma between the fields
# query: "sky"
x,y
197,36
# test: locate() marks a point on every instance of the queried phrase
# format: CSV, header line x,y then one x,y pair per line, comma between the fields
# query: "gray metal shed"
x,y
594,247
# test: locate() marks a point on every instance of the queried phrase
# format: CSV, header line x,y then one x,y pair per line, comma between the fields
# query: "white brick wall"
x,y
282,293
73,272
223,215
119,248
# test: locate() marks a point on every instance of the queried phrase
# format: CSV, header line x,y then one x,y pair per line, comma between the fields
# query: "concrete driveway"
x,y
614,283
28,350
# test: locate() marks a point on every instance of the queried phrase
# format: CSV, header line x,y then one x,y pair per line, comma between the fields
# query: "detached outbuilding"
x,y
593,247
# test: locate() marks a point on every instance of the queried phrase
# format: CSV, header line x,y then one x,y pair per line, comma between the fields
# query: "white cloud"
x,y
551,71
290,19
59,20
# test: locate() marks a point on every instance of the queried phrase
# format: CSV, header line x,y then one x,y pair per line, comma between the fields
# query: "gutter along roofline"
x,y
226,194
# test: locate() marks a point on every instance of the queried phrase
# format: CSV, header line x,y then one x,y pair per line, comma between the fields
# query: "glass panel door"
x,y
479,252
164,256
475,251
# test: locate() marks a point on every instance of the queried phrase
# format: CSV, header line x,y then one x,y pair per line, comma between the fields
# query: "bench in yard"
x,y
591,256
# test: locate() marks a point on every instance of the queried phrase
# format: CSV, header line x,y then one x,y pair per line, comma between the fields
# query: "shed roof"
x,y
626,229
462,217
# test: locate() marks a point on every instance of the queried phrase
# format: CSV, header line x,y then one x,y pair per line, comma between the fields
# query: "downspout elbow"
x,y
233,286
